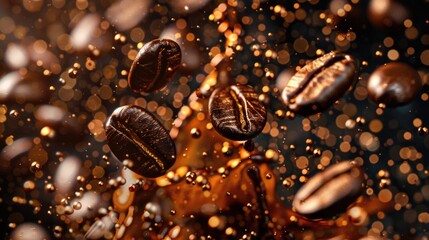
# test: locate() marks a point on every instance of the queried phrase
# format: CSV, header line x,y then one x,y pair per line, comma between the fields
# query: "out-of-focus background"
x,y
64,67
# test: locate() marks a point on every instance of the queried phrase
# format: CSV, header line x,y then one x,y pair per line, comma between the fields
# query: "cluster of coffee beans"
x,y
133,133
237,113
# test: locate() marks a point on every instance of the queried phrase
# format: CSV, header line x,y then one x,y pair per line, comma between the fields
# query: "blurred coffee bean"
x,y
28,230
135,134
66,174
154,65
101,226
330,192
353,18
20,88
56,124
16,56
126,14
236,112
387,13
319,83
83,32
394,84
187,6
11,154
89,201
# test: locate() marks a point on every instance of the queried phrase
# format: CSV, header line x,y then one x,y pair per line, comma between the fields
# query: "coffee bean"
x,y
154,65
28,87
330,192
101,226
61,126
319,84
236,112
135,134
389,14
14,156
394,84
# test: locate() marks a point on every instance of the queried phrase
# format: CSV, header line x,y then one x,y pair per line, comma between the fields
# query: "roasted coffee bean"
x,y
394,84
330,192
319,84
135,134
236,112
154,65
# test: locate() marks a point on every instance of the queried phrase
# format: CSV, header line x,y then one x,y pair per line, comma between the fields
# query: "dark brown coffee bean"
x,y
155,65
30,87
319,83
135,134
330,192
394,84
236,112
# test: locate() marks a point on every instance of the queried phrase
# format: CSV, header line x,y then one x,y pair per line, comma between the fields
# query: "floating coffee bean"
x,y
136,135
154,65
394,84
330,192
236,112
319,84
389,14
101,226
30,87
60,126
13,156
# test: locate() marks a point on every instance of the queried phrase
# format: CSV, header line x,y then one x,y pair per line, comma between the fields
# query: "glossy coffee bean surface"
x,y
236,112
154,65
394,84
330,192
319,84
135,134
